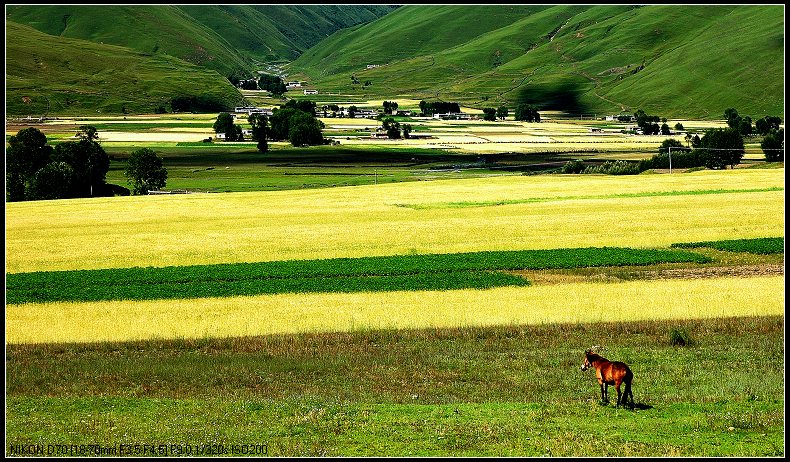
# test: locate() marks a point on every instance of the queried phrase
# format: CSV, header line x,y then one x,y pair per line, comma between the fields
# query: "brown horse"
x,y
610,373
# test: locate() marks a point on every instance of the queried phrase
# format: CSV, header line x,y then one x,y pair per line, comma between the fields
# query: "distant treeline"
x,y
438,107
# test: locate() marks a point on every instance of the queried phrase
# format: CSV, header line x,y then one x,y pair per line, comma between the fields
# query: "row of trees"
x,y
394,128
438,107
649,123
768,126
295,121
390,107
491,114
36,170
524,112
527,113
718,148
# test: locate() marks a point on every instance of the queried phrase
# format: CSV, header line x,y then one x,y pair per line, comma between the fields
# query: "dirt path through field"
x,y
620,274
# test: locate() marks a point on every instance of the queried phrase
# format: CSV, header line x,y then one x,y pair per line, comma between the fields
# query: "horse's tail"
x,y
628,392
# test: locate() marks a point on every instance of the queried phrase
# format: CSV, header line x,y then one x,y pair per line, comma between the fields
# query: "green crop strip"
x,y
762,246
476,270
447,205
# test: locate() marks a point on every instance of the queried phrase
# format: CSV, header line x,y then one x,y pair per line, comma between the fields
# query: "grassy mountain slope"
x,y
161,30
408,32
72,76
672,60
225,38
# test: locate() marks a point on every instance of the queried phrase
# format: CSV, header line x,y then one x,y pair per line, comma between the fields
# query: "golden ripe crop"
x,y
295,313
572,211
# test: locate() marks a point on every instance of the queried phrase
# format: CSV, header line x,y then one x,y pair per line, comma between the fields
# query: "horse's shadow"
x,y
637,406
642,406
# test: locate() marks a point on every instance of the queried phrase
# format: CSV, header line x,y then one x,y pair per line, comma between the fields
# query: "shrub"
x,y
773,146
619,167
573,166
679,337
680,159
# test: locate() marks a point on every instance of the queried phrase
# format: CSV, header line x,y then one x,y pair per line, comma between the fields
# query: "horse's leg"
x,y
606,392
603,393
629,392
619,395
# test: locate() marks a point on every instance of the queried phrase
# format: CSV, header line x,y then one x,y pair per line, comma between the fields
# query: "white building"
x,y
453,116
311,92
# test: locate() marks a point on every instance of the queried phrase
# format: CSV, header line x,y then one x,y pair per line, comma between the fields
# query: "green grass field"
x,y
498,391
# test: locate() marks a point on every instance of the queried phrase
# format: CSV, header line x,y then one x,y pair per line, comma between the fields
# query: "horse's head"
x,y
586,363
589,357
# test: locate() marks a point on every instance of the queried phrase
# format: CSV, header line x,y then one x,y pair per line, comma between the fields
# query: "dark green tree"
x,y
260,130
27,152
766,124
773,146
696,141
665,129
280,123
745,126
527,113
407,128
392,128
272,83
53,181
88,132
489,114
302,104
721,147
676,146
732,117
145,171
390,107
502,113
305,130
89,162
224,124
648,123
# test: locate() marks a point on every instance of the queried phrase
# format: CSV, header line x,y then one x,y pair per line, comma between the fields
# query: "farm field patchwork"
x,y
411,309
418,371
371,220
462,136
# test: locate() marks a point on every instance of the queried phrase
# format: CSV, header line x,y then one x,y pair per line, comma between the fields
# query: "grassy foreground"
x,y
514,390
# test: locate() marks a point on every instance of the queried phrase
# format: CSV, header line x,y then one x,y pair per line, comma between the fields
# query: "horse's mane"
x,y
591,355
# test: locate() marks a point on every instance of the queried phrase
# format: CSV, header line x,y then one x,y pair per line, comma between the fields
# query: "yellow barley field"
x,y
356,221
297,313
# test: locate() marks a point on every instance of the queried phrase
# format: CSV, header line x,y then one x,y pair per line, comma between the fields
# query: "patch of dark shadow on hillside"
x,y
560,96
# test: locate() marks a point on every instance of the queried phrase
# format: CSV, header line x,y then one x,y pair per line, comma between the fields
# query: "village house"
x,y
379,134
249,110
311,92
453,116
360,113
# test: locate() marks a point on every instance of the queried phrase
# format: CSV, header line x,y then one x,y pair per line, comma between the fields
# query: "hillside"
x,y
47,74
682,61
226,38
